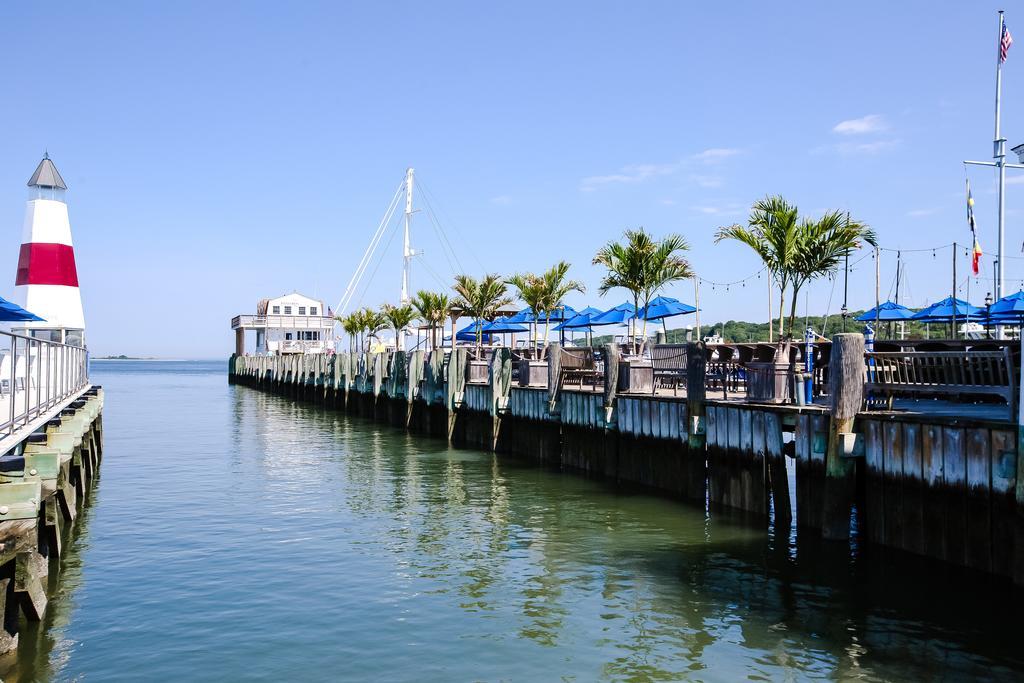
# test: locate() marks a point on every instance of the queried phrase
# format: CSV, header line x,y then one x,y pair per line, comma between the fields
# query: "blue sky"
x,y
221,152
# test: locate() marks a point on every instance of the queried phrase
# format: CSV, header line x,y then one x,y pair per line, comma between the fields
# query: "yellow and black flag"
x,y
976,251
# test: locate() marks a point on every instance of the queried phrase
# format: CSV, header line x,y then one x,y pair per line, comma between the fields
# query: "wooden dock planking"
x,y
913,476
954,472
933,497
875,487
1003,455
979,523
39,505
892,480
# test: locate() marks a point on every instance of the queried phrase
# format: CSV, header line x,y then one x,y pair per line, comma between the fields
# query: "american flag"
x,y
1005,41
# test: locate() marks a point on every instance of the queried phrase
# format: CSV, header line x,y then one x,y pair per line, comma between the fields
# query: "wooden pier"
x,y
45,480
941,483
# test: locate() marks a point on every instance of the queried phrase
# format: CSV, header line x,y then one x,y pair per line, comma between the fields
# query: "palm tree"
x,y
796,251
771,232
531,292
350,324
643,266
480,299
821,244
370,322
432,309
554,288
399,317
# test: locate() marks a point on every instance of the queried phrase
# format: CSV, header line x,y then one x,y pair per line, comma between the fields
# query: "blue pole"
x,y
869,346
809,365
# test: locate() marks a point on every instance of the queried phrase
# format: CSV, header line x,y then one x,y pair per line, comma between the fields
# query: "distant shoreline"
x,y
126,360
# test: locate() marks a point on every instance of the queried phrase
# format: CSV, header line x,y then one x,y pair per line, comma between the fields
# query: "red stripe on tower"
x,y
47,263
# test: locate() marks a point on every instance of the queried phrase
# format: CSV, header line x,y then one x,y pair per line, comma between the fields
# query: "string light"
x,y
851,269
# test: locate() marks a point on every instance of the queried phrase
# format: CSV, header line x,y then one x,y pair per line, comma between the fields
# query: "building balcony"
x,y
290,322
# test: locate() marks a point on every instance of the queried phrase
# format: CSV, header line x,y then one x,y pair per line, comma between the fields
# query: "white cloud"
x,y
872,123
921,213
715,154
502,200
639,173
1017,179
727,210
855,148
636,173
668,202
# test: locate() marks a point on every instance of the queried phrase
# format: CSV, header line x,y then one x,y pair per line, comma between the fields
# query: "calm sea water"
x,y
239,536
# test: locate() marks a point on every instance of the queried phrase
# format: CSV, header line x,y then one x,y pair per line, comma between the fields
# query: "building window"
x,y
276,310
302,310
287,310
312,310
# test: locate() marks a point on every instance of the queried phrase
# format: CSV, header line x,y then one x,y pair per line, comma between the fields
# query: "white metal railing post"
x,y
14,355
25,378
39,380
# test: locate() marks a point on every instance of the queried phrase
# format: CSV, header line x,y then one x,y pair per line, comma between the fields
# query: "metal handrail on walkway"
x,y
36,376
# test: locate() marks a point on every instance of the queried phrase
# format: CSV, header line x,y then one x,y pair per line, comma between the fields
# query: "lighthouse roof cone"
x,y
47,279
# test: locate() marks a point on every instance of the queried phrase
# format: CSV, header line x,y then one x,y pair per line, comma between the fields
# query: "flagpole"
x,y
999,153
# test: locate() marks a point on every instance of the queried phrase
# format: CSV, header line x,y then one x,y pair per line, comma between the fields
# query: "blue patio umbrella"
x,y
468,333
620,315
886,312
502,326
666,308
10,312
523,316
579,321
1012,305
947,309
560,314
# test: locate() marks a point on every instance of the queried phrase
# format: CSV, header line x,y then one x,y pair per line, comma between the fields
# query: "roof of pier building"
x,y
266,306
47,175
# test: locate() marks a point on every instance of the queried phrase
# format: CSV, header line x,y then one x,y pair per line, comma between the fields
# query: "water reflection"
x,y
648,588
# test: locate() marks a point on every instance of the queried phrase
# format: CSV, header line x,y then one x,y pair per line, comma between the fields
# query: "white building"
x,y
292,323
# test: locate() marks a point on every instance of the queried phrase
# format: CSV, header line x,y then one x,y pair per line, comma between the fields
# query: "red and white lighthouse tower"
x,y
47,280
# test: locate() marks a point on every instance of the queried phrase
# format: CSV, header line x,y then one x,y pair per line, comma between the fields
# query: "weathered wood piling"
x,y
44,484
941,486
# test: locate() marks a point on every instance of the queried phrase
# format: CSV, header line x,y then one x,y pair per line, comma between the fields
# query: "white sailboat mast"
x,y
407,251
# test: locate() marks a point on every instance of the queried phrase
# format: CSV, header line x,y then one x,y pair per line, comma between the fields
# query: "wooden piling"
x,y
611,380
846,377
777,473
696,434
954,472
933,498
554,377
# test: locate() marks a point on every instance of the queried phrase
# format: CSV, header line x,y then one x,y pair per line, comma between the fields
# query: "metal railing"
x,y
37,376
302,345
312,322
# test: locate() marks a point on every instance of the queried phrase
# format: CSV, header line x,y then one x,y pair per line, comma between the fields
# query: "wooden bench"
x,y
952,374
578,366
669,362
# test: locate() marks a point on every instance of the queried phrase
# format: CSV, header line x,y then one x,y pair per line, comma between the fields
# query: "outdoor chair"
x,y
669,362
578,366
